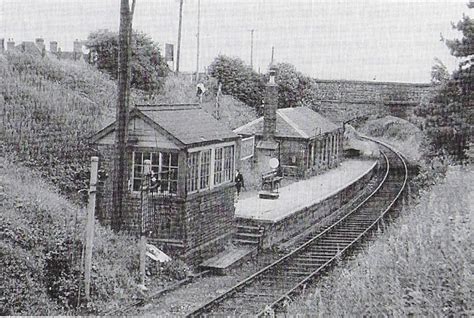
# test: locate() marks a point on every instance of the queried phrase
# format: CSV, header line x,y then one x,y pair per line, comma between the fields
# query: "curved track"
x,y
269,288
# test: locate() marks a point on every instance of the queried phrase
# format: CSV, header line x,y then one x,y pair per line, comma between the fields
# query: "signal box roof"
x,y
182,124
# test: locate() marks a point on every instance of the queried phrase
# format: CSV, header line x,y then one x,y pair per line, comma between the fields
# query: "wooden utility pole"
x,y
90,226
251,47
180,22
197,36
273,52
120,173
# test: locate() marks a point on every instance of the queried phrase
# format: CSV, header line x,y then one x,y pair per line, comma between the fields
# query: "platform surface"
x,y
301,194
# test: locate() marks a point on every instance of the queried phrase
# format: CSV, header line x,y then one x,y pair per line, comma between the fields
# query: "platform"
x,y
304,193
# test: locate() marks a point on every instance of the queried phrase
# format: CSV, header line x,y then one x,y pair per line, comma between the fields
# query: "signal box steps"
x,y
228,259
248,235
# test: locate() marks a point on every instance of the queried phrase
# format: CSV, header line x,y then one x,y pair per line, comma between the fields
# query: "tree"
x,y
238,80
294,88
147,65
448,115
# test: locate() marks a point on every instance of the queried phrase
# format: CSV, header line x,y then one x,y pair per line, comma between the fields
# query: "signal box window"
x,y
164,166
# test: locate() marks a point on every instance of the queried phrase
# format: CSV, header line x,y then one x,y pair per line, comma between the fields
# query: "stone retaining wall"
x,y
277,231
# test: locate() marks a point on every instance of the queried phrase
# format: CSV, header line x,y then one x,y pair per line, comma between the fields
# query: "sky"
x,y
394,41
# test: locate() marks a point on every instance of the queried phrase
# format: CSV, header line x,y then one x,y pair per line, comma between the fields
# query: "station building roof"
x,y
183,125
294,122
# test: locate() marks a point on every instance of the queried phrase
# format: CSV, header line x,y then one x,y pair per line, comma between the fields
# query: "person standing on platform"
x,y
239,182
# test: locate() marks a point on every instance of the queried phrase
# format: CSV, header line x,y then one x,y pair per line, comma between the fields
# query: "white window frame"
x,y
160,167
253,147
213,148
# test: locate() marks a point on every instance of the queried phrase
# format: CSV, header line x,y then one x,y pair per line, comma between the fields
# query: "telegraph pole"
x,y
120,172
197,35
251,47
178,50
273,52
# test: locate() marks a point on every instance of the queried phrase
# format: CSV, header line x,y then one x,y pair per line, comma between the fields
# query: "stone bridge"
x,y
345,99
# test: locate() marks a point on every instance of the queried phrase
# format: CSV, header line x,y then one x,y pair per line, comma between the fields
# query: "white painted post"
x,y
145,190
90,226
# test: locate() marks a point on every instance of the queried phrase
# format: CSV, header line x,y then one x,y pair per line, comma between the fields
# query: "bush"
x,y
148,68
238,80
41,242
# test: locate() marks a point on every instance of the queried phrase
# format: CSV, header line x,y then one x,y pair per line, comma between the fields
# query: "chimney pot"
x,y
40,43
10,45
53,46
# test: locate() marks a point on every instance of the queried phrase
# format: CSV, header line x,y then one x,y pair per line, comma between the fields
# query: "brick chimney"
x,y
40,44
269,113
77,49
10,45
53,47
2,45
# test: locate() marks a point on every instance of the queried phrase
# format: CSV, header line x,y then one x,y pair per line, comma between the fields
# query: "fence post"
x,y
90,226
144,208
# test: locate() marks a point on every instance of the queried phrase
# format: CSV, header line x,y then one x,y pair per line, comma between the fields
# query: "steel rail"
x,y
235,289
359,237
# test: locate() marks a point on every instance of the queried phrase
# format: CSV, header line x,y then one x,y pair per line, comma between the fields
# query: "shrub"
x,y
41,242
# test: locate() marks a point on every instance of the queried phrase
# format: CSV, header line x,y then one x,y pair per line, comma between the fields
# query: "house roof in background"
x,y
297,122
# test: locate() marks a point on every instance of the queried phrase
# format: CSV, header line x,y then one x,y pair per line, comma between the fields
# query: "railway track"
x,y
270,288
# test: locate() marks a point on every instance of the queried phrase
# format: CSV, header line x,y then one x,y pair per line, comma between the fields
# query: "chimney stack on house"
x,y
40,44
2,45
53,47
10,45
77,49
269,112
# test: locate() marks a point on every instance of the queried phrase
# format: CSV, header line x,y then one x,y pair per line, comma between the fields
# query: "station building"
x,y
190,214
305,142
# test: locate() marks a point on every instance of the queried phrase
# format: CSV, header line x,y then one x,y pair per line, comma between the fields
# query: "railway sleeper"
x,y
350,232
233,310
357,224
313,257
327,246
289,278
295,271
318,251
315,264
281,277
339,237
347,236
365,216
321,256
338,241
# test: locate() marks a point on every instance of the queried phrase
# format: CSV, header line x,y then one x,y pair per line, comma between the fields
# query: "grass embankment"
x,y
403,135
41,236
48,108
179,89
421,265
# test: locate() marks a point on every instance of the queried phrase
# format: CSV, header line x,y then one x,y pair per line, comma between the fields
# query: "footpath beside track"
x,y
269,289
